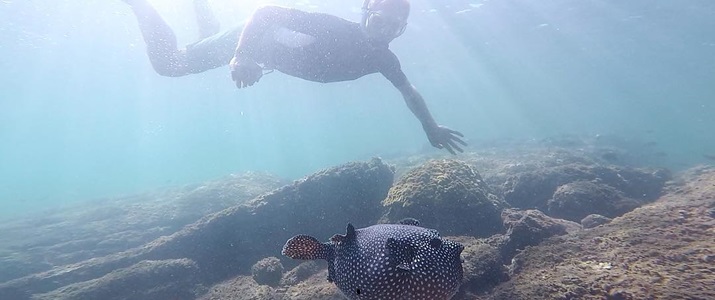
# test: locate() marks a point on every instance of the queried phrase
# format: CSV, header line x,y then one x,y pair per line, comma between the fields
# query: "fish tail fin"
x,y
307,247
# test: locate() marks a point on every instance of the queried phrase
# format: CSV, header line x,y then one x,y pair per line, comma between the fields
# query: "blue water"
x,y
83,116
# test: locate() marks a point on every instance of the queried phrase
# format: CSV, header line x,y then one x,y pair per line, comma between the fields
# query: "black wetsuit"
x,y
339,51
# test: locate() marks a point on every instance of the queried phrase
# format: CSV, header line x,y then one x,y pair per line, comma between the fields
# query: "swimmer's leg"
x,y
205,18
160,40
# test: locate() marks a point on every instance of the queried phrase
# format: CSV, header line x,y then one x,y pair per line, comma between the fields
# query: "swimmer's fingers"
x,y
450,140
449,148
250,81
245,73
454,132
246,76
458,139
237,76
454,145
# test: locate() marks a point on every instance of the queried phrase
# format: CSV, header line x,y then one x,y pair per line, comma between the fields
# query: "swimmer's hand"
x,y
442,137
245,72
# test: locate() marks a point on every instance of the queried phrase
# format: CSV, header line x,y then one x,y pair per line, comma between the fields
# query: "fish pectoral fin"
x,y
306,247
405,266
402,251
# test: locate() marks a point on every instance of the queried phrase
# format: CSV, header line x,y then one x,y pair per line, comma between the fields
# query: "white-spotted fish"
x,y
386,261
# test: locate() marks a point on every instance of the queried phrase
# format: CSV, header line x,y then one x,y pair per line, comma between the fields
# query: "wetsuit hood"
x,y
384,20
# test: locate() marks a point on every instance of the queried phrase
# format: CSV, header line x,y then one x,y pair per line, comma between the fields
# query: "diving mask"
x,y
379,24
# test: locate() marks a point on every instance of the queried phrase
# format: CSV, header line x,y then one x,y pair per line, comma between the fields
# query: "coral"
x,y
447,195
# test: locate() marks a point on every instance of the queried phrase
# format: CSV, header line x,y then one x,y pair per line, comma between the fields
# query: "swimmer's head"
x,y
384,20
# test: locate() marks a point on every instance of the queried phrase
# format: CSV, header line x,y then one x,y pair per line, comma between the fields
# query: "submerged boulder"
x,y
316,287
533,187
662,250
240,288
483,266
146,280
447,195
303,271
576,200
594,220
267,271
530,228
227,243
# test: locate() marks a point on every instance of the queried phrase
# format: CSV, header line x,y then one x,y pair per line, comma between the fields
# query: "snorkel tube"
x,y
384,20
365,13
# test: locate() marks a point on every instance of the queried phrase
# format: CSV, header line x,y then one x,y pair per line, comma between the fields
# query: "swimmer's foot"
x,y
208,24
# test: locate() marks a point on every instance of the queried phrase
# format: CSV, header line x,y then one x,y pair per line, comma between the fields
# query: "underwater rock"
x,y
314,205
241,234
146,280
483,267
267,271
535,221
594,220
529,228
447,195
316,287
533,187
576,200
240,288
657,251
101,227
302,272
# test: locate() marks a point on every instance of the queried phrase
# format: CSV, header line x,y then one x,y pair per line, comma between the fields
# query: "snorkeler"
x,y
312,46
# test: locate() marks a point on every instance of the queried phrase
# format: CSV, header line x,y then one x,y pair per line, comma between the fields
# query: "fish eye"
x,y
435,242
357,291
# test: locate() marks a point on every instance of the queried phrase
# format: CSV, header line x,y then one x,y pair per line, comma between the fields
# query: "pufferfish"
x,y
386,261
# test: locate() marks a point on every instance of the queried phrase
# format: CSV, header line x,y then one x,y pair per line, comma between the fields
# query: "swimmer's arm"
x,y
416,104
392,70
439,136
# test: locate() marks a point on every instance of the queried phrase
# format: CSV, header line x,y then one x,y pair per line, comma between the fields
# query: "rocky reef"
x,y
663,250
102,227
229,242
549,222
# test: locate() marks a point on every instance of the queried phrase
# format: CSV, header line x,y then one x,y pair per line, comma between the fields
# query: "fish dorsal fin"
x,y
350,232
409,221
306,247
348,237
